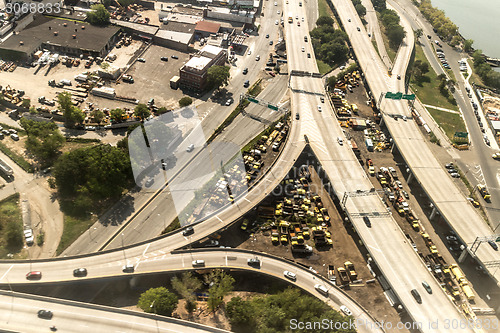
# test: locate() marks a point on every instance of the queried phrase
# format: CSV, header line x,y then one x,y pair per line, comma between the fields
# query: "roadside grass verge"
x,y
427,88
11,227
449,122
323,67
324,9
73,227
18,159
390,52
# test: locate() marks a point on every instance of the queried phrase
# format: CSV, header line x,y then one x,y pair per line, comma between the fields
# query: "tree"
x,y
185,101
141,111
240,312
44,140
325,20
468,45
220,285
360,9
26,103
159,301
186,287
420,69
126,3
162,110
107,3
379,5
98,116
99,15
117,115
455,40
218,76
72,114
419,33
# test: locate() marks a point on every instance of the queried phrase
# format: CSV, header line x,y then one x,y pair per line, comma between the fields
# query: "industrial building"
x,y
193,75
60,36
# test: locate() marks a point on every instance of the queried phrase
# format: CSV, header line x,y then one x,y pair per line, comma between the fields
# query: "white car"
x,y
290,275
257,58
278,12
190,148
199,262
276,22
340,141
249,52
303,49
346,310
319,108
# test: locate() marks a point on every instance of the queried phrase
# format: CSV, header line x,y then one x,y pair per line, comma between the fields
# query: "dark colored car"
x,y
245,71
164,58
79,272
188,231
367,221
297,116
149,182
35,275
427,287
254,262
493,245
45,314
416,295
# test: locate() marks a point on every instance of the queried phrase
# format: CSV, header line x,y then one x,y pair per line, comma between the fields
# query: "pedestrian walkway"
x,y
441,109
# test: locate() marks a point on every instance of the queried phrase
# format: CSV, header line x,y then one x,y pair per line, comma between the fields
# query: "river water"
x,y
476,19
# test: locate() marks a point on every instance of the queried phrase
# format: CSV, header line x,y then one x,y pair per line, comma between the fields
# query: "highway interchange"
x,y
385,242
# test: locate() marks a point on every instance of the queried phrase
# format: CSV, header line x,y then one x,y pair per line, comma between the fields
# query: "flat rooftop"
x,y
43,29
198,63
180,37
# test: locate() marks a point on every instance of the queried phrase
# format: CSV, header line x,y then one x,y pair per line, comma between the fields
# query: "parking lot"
x,y
153,76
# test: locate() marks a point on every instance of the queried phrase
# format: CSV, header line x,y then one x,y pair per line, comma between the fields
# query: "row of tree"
x,y
443,25
44,140
274,313
329,43
393,30
490,77
360,9
164,302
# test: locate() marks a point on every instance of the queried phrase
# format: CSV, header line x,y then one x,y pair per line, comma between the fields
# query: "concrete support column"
x,y
410,178
433,213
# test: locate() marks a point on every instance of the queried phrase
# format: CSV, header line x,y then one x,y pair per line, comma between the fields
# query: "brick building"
x,y
193,75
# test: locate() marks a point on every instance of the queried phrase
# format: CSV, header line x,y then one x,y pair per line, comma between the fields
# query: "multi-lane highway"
x,y
19,313
449,201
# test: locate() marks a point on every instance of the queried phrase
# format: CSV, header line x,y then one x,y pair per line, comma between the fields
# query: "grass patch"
x,y
427,89
73,228
390,52
82,140
176,224
323,67
18,159
11,226
449,122
324,9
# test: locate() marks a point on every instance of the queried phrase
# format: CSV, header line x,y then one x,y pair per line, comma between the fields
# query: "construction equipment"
x,y
343,276
331,273
349,266
484,192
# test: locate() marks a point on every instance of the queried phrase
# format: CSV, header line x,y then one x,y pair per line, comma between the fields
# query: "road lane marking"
x,y
146,249
6,272
218,218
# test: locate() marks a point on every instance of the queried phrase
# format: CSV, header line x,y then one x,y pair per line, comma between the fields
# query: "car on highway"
x,y
322,99
340,141
290,275
319,108
345,310
79,272
449,165
164,59
270,42
427,287
399,77
303,49
229,102
358,29
493,245
300,4
429,36
278,12
257,58
298,23
129,268
246,84
305,39
276,22
249,52
275,3
267,36
190,148
198,263
416,296
348,20
34,275
45,314
455,175
188,231
141,59
496,156
174,57
297,116
254,262
321,289
367,221
473,202
245,71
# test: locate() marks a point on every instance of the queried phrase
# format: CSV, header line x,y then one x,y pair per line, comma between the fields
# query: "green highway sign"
x,y
388,95
253,100
397,95
272,107
498,239
409,97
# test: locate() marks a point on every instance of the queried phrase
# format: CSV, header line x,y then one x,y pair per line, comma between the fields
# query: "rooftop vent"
x,y
74,36
56,33
21,42
83,27
65,24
